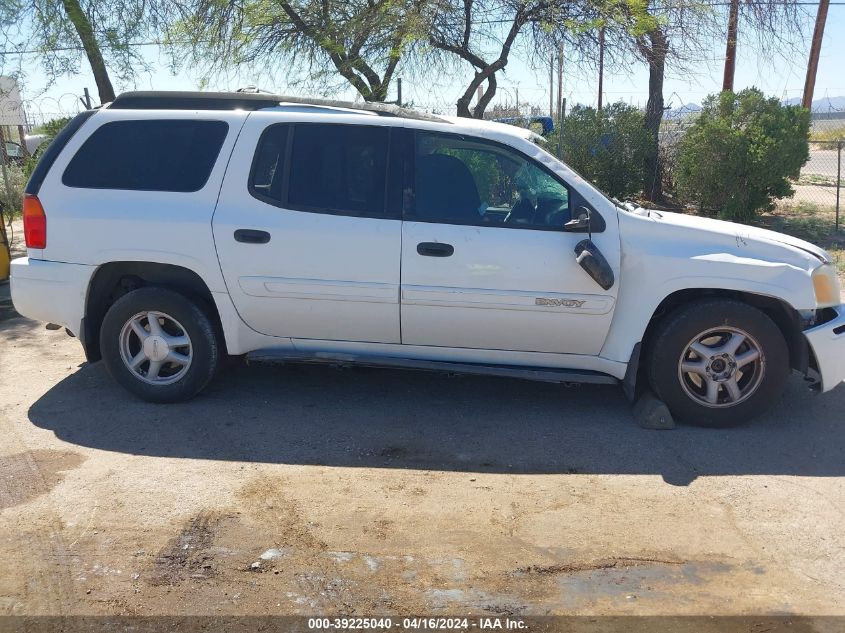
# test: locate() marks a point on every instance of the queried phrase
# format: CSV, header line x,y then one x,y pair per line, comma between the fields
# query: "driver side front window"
x,y
462,180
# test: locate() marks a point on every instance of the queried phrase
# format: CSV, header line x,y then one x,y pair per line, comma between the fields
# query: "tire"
x,y
745,385
173,364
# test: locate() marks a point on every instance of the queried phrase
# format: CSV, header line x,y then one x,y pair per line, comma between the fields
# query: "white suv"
x,y
167,229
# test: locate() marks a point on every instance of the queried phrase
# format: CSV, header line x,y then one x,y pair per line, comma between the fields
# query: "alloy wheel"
x,y
155,347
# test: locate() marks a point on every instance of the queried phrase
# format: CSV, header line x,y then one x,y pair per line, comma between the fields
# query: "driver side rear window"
x,y
336,169
148,155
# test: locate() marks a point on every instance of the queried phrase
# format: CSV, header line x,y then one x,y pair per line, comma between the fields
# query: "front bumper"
x,y
51,291
828,344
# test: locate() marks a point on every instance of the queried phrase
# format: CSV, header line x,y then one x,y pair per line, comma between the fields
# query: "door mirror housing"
x,y
590,258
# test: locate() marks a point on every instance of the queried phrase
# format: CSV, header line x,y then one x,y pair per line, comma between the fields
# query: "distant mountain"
x,y
682,111
825,104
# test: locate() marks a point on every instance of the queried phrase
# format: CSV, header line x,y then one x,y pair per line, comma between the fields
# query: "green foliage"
x,y
314,44
608,147
74,35
738,156
12,197
50,129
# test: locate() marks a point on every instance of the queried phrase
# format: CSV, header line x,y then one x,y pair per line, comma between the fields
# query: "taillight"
x,y
34,222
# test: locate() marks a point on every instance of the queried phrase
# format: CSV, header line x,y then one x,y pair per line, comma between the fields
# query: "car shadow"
x,y
317,415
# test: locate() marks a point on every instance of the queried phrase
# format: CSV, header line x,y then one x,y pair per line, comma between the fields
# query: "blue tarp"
x,y
526,121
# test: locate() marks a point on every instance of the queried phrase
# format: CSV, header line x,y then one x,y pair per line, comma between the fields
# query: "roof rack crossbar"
x,y
191,100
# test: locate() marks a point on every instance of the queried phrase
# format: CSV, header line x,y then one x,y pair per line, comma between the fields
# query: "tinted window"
x,y
268,167
338,169
155,155
462,180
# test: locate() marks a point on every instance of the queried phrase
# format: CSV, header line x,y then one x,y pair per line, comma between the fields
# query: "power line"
x,y
60,49
479,23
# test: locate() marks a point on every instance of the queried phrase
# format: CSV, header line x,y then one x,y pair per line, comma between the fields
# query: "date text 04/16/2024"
x,y
417,624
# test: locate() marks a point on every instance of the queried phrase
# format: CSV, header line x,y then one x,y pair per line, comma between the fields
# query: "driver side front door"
x,y
486,263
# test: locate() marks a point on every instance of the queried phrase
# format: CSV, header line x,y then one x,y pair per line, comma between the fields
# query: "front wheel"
x,y
159,345
718,362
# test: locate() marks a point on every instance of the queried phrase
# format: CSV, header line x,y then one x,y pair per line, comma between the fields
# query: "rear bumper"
x,y
828,344
51,291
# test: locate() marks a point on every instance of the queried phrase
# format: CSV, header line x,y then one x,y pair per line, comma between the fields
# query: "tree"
x,y
740,153
484,34
85,31
730,48
678,35
362,40
469,28
654,47
63,31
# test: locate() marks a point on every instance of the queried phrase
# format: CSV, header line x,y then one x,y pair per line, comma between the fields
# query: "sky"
x,y
781,76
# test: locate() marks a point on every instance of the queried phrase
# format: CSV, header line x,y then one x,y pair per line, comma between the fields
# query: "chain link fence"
x,y
820,181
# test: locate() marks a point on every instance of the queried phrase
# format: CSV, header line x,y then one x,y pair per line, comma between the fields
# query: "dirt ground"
x,y
309,490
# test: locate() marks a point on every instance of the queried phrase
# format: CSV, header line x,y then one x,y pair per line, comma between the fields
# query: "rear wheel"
x,y
159,345
718,362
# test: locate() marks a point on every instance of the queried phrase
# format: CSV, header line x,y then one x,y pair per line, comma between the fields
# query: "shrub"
x,y
11,197
608,148
737,157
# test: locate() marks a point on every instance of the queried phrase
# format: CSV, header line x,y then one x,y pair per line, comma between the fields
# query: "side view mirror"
x,y
589,257
581,223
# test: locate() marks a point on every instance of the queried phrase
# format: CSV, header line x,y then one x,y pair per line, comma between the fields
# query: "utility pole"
x,y
815,50
559,82
86,100
560,103
601,64
730,50
399,92
552,86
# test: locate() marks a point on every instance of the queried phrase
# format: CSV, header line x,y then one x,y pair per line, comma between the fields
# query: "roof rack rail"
x,y
195,100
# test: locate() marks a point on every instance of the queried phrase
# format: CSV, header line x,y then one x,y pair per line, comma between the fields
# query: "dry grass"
x,y
835,134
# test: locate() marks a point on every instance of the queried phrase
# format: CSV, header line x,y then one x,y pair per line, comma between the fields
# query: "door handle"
x,y
435,249
251,236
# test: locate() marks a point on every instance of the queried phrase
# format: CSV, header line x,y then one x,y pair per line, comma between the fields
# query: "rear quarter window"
x,y
149,155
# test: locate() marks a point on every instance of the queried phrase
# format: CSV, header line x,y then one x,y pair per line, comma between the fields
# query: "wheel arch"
x,y
782,314
114,279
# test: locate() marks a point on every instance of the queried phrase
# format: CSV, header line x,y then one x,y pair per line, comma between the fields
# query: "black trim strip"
x,y
33,186
542,374
188,100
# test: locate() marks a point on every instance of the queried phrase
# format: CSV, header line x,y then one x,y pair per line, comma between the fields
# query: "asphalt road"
x,y
823,162
390,492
